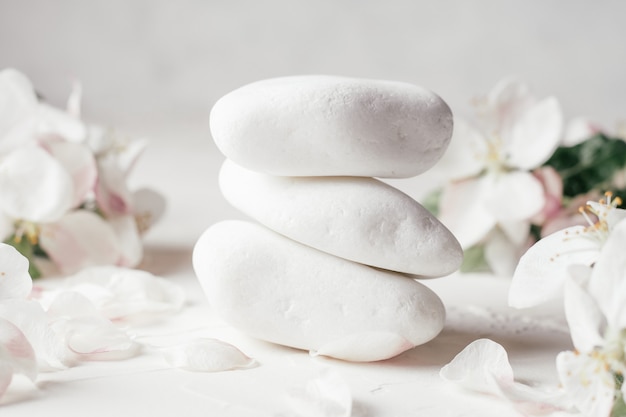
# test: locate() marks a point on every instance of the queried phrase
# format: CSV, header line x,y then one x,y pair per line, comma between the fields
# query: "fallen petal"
x,y
207,355
328,395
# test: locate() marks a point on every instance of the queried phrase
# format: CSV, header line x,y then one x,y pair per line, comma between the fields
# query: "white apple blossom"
x,y
489,166
54,169
595,306
543,269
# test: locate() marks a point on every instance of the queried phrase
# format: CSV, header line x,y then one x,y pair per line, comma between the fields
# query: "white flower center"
x,y
599,229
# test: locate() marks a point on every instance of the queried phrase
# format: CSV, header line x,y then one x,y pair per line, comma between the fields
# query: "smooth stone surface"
x,y
356,218
275,289
320,125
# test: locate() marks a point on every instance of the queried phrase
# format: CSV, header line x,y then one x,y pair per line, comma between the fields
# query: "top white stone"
x,y
320,125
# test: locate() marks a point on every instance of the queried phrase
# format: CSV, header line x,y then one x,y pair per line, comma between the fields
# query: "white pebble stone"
x,y
356,218
319,125
275,289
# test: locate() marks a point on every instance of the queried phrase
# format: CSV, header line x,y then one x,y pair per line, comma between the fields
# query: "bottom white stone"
x,y
278,290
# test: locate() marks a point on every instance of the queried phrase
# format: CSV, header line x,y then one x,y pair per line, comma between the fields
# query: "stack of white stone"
x,y
331,265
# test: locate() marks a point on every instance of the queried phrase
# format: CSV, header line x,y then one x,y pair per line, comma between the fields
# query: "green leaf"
x,y
474,260
28,250
590,165
431,201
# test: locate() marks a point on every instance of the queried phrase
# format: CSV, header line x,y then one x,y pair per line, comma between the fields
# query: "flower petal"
x,y
149,206
327,395
129,241
608,279
32,320
207,355
513,196
15,282
127,294
535,136
483,366
16,351
589,386
17,103
583,316
466,154
463,211
81,238
501,254
88,335
542,270
34,186
112,192
79,163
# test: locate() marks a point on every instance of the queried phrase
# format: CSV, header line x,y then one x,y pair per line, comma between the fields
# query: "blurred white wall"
x,y
155,62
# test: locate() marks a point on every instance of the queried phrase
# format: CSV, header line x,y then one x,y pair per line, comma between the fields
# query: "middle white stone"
x,y
356,218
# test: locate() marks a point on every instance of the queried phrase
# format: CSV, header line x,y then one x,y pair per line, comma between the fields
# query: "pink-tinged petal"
x,y
466,155
17,103
327,395
93,339
552,192
112,193
79,163
542,270
513,196
34,186
15,282
86,334
463,211
80,239
584,318
32,320
207,355
587,383
149,206
129,241
123,294
608,279
579,130
16,351
535,136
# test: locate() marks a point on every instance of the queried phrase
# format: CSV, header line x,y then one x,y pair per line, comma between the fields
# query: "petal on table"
x,y
16,351
207,355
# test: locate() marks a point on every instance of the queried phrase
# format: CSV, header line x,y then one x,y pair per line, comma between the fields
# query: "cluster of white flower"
x,y
63,184
585,266
496,183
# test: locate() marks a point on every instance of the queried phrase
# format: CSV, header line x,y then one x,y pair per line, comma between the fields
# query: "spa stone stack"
x,y
329,264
